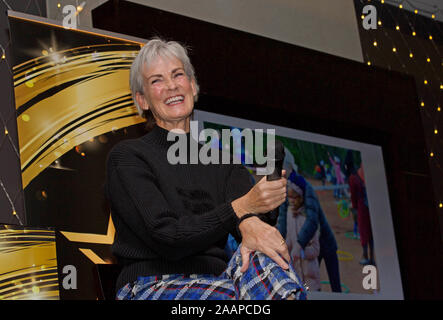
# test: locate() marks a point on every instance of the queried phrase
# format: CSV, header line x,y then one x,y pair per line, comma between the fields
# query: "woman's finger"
x,y
276,194
276,184
275,201
276,257
245,259
284,252
279,243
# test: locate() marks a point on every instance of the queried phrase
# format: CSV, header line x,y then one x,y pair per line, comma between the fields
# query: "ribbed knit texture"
x,y
168,218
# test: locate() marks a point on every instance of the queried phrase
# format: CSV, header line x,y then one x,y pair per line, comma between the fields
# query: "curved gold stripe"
x,y
17,285
91,48
49,295
26,235
25,244
27,273
47,127
83,65
65,133
25,262
30,273
41,294
24,231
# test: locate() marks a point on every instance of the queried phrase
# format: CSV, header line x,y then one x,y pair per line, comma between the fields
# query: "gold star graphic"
x,y
108,238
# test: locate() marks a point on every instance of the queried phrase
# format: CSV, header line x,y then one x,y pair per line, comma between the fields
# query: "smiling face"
x,y
168,93
295,201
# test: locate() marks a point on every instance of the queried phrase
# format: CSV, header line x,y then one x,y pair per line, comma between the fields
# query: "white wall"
x,y
323,25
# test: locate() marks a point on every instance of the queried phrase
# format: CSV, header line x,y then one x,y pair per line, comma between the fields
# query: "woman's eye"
x,y
154,81
178,74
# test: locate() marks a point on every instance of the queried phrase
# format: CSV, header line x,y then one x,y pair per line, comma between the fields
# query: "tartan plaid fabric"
x,y
264,280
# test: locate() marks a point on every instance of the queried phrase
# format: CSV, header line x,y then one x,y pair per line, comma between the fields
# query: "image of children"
x,y
289,166
339,182
360,204
323,234
316,221
305,261
350,170
320,172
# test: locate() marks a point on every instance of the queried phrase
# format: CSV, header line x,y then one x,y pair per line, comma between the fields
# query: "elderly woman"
x,y
172,221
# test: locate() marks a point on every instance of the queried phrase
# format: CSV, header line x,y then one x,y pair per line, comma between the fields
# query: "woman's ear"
x,y
194,88
141,100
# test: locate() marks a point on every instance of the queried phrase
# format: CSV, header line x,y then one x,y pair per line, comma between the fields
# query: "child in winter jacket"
x,y
305,261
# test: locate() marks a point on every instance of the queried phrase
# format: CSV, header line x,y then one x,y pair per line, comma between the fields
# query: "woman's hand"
x,y
259,236
263,197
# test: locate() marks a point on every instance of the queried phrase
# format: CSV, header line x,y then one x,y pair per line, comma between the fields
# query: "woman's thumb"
x,y
245,260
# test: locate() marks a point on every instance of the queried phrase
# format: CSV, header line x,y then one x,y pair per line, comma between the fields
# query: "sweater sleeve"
x,y
239,183
169,233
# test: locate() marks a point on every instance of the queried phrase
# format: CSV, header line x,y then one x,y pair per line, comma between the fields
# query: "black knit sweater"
x,y
170,219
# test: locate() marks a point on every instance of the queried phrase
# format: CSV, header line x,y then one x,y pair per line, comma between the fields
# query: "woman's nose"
x,y
170,84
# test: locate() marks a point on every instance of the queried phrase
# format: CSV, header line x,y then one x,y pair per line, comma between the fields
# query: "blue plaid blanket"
x,y
264,280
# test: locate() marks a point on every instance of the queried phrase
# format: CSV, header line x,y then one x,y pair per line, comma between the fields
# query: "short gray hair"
x,y
157,47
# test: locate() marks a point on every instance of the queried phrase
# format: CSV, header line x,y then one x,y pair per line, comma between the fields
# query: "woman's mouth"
x,y
172,101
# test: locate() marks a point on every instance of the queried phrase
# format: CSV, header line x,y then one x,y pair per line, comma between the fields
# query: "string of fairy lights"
x,y
8,137
417,6
421,45
4,122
